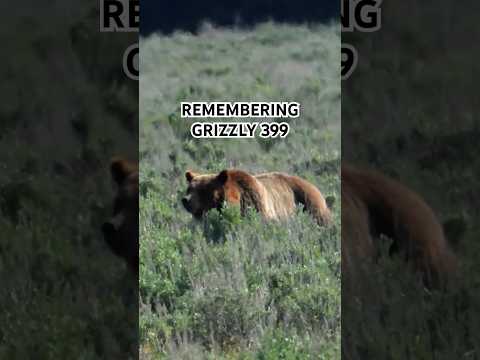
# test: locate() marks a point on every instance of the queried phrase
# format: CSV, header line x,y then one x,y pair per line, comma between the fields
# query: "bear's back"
x,y
279,198
399,213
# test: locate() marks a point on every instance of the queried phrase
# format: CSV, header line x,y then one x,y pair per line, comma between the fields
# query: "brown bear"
x,y
374,206
274,195
121,231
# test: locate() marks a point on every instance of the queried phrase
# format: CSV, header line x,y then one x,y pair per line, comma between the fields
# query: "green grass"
x,y
231,287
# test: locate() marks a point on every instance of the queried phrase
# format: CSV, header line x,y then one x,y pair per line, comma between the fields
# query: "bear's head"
x,y
121,231
207,191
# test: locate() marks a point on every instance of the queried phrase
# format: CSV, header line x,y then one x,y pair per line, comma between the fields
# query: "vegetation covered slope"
x,y
232,287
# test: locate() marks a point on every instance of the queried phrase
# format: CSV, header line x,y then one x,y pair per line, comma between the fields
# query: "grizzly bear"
x,y
374,207
121,231
274,195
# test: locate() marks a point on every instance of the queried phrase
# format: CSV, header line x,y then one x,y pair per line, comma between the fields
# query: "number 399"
x,y
274,129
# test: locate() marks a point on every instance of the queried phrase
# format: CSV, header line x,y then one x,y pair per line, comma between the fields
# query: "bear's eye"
x,y
208,194
202,193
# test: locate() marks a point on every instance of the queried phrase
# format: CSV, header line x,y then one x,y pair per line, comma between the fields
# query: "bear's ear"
x,y
190,175
222,177
121,169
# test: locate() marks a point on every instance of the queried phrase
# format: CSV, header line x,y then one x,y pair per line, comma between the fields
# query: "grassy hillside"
x,y
232,287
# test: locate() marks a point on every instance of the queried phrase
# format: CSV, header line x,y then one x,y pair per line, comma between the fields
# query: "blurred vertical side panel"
x,y
67,108
410,129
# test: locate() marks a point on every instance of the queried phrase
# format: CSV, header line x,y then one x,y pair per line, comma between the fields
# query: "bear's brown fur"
x,y
374,205
121,231
274,195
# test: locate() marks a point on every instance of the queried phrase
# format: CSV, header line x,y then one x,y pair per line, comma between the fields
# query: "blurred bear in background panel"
x,y
121,231
373,206
274,195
